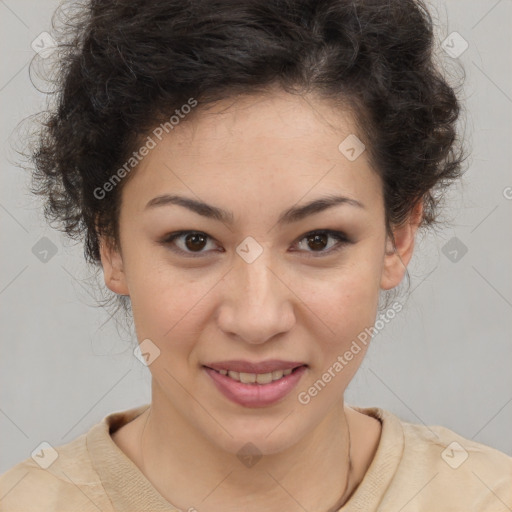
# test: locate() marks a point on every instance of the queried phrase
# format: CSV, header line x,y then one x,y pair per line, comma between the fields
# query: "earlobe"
x,y
113,270
398,255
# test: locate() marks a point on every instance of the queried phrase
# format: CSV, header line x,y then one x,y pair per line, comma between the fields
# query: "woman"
x,y
251,177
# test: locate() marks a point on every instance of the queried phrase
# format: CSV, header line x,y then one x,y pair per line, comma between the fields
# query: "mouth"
x,y
257,378
255,388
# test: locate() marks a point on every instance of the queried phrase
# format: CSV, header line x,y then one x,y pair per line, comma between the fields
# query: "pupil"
x,y
195,237
318,240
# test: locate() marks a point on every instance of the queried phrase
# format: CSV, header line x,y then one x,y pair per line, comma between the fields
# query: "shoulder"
x,y
54,479
449,471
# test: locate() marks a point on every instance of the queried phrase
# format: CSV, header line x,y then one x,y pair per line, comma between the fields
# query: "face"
x,y
265,280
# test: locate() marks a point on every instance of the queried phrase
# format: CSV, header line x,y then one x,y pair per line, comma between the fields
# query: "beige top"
x,y
415,469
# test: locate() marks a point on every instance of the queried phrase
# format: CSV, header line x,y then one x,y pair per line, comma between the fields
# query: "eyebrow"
x,y
293,214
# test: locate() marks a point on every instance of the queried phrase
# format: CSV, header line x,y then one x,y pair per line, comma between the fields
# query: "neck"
x,y
313,474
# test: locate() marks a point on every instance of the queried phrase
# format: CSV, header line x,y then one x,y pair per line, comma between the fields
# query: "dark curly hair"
x,y
124,66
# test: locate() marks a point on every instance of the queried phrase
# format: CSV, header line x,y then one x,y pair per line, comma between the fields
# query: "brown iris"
x,y
195,241
317,241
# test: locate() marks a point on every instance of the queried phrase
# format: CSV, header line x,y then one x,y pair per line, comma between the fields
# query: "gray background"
x,y
444,360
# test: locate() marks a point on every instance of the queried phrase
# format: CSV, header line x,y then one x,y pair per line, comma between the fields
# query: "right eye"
x,y
187,243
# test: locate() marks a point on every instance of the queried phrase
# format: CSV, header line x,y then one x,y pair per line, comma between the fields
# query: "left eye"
x,y
319,240
193,242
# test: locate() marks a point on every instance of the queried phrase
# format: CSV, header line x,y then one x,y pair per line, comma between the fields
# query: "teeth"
x,y
247,378
277,374
259,378
263,378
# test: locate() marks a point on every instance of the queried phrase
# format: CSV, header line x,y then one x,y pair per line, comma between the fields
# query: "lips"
x,y
268,366
255,389
256,378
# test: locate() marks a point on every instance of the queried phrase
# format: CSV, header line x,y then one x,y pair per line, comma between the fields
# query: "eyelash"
x,y
338,235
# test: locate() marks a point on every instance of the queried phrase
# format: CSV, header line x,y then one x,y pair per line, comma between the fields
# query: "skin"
x,y
256,157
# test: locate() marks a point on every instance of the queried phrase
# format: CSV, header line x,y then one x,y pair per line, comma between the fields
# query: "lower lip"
x,y
255,395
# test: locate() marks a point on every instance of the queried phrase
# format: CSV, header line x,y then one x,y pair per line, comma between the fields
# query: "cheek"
x,y
347,301
350,316
348,306
172,306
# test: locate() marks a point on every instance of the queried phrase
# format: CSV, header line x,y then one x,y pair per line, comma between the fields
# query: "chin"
x,y
263,435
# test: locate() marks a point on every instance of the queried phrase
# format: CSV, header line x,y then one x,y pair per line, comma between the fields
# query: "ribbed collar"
x,y
129,490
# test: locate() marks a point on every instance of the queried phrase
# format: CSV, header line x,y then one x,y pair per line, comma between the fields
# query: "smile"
x,y
255,389
256,378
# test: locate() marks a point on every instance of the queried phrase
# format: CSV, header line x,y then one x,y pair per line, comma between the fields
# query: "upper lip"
x,y
248,367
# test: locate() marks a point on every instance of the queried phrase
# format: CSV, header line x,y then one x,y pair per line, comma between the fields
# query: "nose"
x,y
257,301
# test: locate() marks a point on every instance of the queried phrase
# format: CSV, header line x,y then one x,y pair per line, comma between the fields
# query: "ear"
x,y
398,257
113,269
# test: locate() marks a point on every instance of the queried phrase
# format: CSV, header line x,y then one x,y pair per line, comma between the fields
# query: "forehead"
x,y
280,120
267,148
